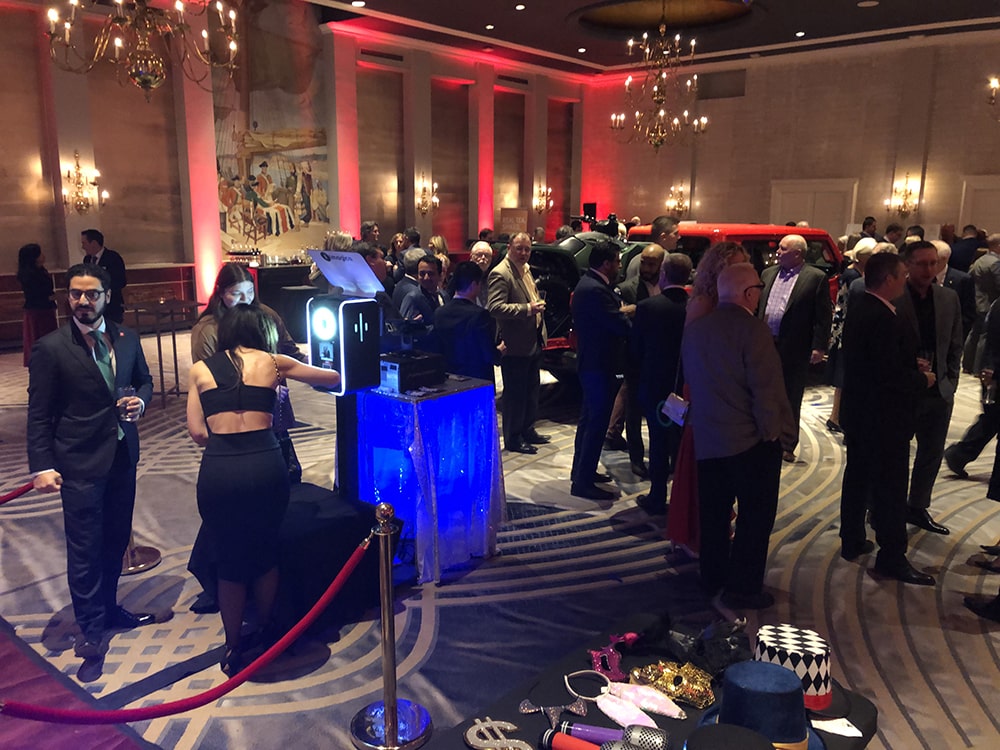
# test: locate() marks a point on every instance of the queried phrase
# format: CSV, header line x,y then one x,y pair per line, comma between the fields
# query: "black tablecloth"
x,y
548,690
319,533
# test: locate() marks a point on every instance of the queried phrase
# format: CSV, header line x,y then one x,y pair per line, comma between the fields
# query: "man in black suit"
x,y
77,445
601,328
627,413
655,343
976,290
797,308
420,303
965,250
934,316
881,385
464,330
407,282
92,243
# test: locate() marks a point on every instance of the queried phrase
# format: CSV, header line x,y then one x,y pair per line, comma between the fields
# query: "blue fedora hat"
x,y
769,700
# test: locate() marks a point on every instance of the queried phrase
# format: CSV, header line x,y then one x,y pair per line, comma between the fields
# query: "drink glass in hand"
x,y
125,394
925,360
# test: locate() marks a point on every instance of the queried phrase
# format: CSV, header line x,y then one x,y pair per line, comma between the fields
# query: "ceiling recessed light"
x,y
519,6
490,27
581,50
800,34
358,3
868,3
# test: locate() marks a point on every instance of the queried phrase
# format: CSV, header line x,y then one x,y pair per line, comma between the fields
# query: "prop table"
x,y
436,458
548,690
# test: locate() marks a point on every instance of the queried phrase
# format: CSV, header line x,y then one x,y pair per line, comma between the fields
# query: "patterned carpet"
x,y
567,569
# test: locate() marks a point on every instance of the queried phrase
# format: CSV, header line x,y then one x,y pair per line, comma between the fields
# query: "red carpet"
x,y
24,676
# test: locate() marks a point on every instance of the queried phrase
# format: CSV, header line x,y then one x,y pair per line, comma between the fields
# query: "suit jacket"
x,y
948,337
601,328
633,291
808,315
881,379
655,342
113,263
734,376
963,253
509,302
72,417
964,285
403,286
466,335
417,303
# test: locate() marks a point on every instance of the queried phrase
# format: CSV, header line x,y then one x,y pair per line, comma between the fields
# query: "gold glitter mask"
x,y
686,684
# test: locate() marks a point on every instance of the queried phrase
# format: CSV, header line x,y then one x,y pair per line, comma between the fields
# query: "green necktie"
x,y
103,358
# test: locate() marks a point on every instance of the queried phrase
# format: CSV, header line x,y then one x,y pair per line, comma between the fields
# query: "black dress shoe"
x,y
988,608
853,551
905,573
89,648
833,427
651,506
952,462
640,470
616,443
921,517
990,549
120,617
600,478
522,448
590,492
737,600
533,438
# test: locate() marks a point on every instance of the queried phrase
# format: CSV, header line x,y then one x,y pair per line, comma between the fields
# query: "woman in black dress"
x,y
39,307
243,481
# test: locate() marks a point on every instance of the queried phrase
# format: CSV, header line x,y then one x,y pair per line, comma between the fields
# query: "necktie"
x,y
103,357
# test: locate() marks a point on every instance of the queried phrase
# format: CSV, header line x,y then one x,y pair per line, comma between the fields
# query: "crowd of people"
x,y
714,359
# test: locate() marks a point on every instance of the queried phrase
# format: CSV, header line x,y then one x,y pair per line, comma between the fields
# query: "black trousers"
x,y
932,415
664,442
626,415
752,479
599,390
979,434
519,405
875,478
795,374
97,514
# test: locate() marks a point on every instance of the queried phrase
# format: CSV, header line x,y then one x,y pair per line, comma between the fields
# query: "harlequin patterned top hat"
x,y
768,699
807,654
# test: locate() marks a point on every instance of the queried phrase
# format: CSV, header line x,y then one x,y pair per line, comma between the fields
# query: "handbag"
x,y
675,408
282,420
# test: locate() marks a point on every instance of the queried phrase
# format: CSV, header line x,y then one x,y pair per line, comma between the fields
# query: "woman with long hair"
x,y
243,485
39,307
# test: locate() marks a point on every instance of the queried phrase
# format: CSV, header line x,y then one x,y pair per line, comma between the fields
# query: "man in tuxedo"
x,y
601,329
739,415
406,283
92,243
626,414
655,344
934,316
464,330
514,303
882,384
796,307
78,446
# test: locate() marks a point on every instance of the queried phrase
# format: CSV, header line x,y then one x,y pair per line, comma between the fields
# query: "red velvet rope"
x,y
16,493
121,716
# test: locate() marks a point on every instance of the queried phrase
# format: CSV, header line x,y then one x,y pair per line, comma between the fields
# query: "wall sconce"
x,y
618,121
903,201
543,200
428,196
994,84
677,204
77,195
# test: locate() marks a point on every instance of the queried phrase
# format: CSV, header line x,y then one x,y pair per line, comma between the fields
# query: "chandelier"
x,y
77,195
542,201
138,39
677,204
427,199
904,197
662,99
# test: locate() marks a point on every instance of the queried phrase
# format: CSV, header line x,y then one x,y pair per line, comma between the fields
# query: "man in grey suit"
x,y
739,414
83,443
797,308
514,303
935,316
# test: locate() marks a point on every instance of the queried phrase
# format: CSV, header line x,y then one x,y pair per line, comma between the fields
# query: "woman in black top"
x,y
243,481
39,307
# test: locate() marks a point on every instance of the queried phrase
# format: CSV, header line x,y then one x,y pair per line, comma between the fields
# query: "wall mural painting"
x,y
271,150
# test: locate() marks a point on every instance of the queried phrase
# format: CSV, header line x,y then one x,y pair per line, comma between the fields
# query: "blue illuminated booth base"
x,y
436,458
